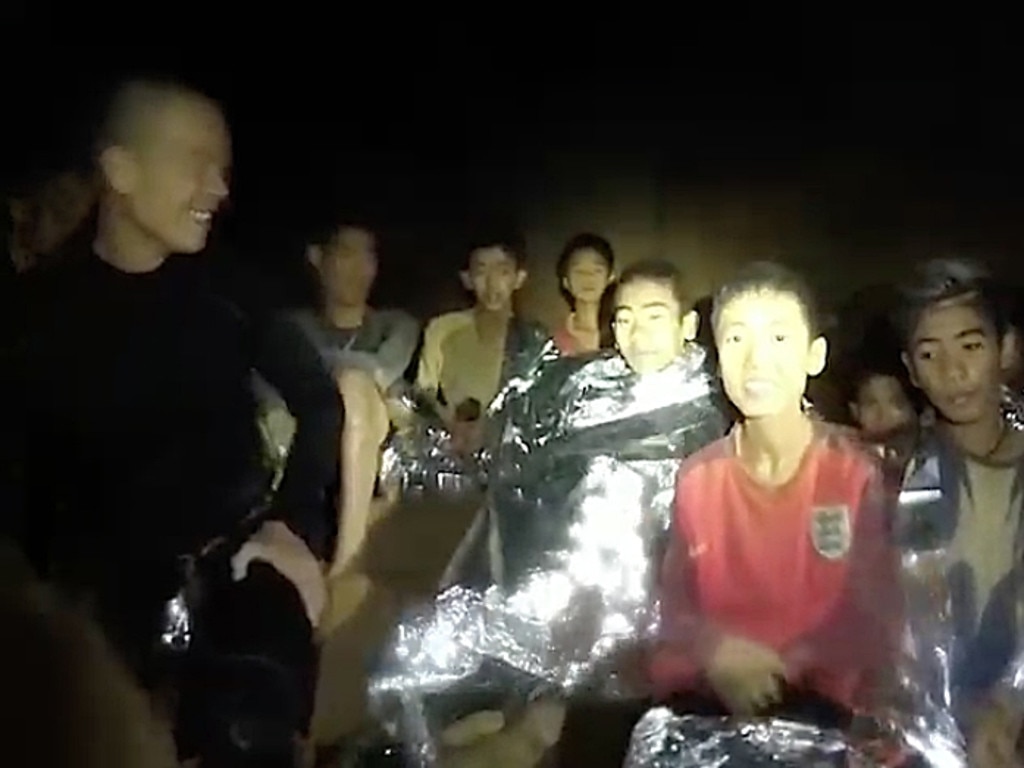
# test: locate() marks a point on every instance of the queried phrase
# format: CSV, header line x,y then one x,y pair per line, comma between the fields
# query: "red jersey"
x,y
806,569
566,343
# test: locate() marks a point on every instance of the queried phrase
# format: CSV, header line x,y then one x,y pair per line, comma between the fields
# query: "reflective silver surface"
x,y
553,590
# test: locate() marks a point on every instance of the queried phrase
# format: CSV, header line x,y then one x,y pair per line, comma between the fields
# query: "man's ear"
x,y
119,169
1010,351
817,356
467,279
690,325
520,278
909,365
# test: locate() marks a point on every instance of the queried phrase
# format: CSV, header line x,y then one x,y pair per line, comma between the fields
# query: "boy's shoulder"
x,y
442,325
839,448
391,320
720,452
844,442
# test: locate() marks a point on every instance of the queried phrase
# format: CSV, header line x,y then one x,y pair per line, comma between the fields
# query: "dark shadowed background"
x,y
848,144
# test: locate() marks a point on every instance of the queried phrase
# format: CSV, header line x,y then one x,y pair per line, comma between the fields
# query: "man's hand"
x,y
994,734
745,675
275,544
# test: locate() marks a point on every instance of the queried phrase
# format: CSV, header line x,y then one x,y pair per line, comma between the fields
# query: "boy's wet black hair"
x,y
494,230
940,280
868,369
585,241
323,233
655,271
511,243
770,277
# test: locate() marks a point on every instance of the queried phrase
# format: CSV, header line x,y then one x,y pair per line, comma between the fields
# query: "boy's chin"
x,y
963,417
753,413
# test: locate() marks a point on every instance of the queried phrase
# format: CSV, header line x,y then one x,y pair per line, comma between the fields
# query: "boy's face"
x,y
649,325
766,352
347,266
882,406
493,277
587,276
955,358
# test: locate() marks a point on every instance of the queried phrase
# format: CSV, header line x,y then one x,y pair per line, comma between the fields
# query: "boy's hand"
x,y
993,742
467,437
745,675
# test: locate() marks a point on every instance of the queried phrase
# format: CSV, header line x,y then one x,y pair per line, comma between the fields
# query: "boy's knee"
x,y
354,382
365,410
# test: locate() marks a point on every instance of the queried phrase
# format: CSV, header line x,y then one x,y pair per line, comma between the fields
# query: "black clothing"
x,y
142,445
142,419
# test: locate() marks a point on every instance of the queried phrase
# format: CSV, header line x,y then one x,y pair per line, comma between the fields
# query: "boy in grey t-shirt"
x,y
366,350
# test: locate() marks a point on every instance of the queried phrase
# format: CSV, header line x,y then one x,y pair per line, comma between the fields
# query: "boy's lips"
x,y
961,399
758,386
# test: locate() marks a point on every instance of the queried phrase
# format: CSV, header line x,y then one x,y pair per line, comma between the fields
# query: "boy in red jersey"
x,y
779,582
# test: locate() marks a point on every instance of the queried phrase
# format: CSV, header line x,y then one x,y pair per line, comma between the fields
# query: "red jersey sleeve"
x,y
856,643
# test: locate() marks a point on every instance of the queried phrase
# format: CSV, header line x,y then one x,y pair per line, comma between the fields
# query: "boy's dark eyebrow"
x,y
650,305
968,332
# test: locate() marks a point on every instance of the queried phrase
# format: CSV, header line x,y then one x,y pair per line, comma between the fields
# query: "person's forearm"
x,y
292,366
301,498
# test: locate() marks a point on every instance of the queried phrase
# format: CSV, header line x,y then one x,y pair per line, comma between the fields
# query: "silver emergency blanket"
x,y
1013,408
176,629
552,590
1012,683
664,740
938,642
419,456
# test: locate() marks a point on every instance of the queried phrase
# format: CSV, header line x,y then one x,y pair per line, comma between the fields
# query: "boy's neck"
x,y
345,316
772,447
491,322
982,438
585,317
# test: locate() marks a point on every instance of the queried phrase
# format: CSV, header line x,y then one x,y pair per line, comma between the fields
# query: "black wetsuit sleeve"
x,y
291,364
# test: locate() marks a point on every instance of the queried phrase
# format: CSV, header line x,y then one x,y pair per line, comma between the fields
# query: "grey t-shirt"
x,y
382,346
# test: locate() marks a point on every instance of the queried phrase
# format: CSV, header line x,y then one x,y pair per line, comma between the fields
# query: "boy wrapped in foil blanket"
x,y
551,593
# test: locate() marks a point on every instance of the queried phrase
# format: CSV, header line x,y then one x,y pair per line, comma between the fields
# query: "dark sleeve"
x,y
290,363
12,451
28,370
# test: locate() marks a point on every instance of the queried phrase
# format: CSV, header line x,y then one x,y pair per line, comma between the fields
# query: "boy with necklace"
x,y
366,350
957,347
